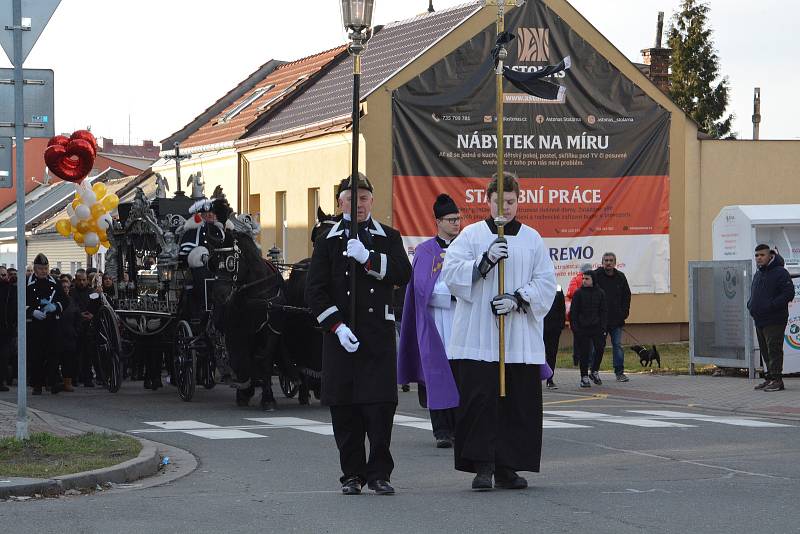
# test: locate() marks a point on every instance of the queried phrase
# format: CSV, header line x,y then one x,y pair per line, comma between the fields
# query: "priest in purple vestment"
x,y
427,323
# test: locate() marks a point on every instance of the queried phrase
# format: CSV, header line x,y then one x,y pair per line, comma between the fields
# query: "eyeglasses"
x,y
451,220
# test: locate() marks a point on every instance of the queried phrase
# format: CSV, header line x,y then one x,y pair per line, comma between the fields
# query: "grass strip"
x,y
45,455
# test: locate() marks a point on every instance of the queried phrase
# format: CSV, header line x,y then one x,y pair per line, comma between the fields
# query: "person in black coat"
x,y
618,298
589,322
554,323
771,292
45,303
8,325
68,331
359,365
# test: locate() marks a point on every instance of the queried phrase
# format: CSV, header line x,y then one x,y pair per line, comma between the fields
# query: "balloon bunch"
x,y
89,217
71,158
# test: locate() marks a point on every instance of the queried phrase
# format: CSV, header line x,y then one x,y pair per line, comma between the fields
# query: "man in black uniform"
x,y
45,303
359,368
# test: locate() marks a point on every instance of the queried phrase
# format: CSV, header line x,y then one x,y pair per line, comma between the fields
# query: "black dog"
x,y
647,356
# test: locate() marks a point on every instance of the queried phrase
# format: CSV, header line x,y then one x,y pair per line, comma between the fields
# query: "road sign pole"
x,y
19,125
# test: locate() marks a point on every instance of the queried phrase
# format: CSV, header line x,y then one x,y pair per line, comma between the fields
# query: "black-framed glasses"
x,y
451,220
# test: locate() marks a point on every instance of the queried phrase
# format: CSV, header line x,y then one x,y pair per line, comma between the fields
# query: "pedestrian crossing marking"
x,y
555,420
203,430
315,427
550,423
725,420
413,422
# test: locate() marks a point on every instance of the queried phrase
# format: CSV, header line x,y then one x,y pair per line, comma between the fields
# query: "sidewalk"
x,y
144,465
731,394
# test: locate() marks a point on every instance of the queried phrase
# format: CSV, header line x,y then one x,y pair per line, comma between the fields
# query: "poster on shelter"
x,y
593,164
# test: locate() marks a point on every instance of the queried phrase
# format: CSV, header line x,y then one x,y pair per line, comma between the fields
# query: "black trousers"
x,y
506,432
42,357
351,424
590,351
770,343
551,338
6,344
442,421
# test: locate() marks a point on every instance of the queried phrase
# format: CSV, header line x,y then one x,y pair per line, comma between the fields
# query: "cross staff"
x,y
500,220
178,157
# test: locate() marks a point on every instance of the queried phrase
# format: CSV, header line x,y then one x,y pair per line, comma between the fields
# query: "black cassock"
x,y
359,387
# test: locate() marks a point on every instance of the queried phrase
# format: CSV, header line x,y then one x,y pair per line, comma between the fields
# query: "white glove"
x,y
347,338
39,315
504,304
49,308
357,250
198,257
497,250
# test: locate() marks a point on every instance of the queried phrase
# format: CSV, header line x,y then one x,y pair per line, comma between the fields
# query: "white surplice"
x,y
442,308
528,269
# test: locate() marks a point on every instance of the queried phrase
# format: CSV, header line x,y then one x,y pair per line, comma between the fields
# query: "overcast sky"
x,y
162,62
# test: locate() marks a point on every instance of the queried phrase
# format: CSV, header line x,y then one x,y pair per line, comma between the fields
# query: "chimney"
x,y
658,58
756,113
108,143
147,143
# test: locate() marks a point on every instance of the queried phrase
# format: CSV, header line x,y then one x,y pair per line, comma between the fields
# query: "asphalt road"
x,y
606,467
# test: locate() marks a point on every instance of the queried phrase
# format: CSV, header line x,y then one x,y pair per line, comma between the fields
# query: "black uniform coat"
x,y
45,288
368,375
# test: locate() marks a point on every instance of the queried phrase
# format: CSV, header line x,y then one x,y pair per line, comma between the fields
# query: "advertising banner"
x,y
593,163
791,339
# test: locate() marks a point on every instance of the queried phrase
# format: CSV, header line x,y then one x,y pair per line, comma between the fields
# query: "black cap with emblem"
x,y
41,259
363,183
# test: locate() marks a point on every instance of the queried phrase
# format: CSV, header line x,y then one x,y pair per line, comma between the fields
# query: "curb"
x,y
144,465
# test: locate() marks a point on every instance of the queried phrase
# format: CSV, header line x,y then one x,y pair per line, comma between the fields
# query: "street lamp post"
x,y
357,20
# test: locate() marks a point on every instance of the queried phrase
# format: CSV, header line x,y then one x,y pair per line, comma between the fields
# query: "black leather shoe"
x,y
482,482
3,387
351,486
381,487
508,479
444,443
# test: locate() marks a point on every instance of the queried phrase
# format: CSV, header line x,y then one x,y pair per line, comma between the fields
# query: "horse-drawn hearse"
x,y
224,320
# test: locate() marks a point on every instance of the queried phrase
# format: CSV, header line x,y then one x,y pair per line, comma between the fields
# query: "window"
x,y
313,204
281,224
283,93
254,207
244,103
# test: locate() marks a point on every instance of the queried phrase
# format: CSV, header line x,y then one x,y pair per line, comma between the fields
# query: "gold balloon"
x,y
77,201
110,201
99,190
105,243
63,227
102,234
82,226
92,223
97,209
92,250
78,237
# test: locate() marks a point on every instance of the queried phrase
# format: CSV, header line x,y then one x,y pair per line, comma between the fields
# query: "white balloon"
x,y
104,221
89,198
73,220
82,212
70,210
91,239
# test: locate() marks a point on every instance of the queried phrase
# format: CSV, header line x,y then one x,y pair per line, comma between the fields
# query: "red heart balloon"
x,y
71,160
87,136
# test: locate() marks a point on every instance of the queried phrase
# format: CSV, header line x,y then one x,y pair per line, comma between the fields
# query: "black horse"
x,y
248,290
302,337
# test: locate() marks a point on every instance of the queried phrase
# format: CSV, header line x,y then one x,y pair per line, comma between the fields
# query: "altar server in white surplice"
x,y
498,437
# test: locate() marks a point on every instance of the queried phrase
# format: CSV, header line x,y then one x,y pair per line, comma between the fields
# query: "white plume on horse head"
x,y
243,223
